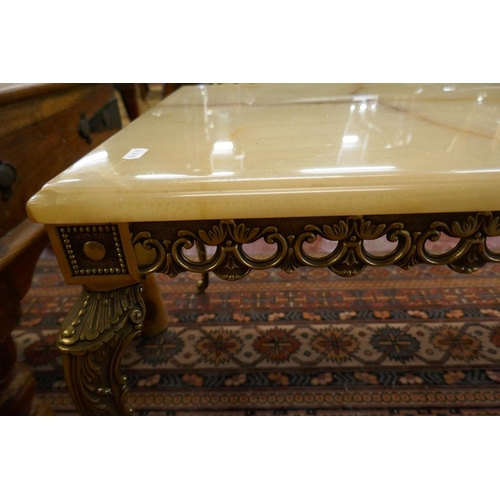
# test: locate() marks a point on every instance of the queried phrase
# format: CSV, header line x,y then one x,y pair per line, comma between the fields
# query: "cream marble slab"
x,y
244,151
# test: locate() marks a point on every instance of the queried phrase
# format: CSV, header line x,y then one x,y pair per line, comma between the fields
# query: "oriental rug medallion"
x,y
388,342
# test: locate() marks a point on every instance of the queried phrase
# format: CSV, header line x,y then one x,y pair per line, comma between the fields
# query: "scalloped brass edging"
x,y
164,243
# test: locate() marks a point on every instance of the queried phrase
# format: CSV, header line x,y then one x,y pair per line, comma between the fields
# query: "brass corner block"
x,y
101,251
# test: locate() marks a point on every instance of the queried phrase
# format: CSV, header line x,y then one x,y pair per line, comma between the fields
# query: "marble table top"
x,y
290,150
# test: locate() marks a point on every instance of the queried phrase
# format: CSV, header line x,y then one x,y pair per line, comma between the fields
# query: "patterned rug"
x,y
388,342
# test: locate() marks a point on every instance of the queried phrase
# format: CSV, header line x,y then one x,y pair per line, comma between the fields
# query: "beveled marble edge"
x,y
265,204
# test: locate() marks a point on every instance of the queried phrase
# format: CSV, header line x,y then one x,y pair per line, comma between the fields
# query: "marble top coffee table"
x,y
226,166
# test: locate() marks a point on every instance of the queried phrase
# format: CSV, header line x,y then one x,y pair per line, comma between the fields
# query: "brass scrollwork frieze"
x,y
161,246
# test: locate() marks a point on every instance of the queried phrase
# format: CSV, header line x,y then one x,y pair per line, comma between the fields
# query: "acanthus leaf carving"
x,y
492,226
335,232
368,231
467,228
99,315
213,237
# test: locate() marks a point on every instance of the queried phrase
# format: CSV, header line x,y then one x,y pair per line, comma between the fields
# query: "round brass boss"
x,y
94,250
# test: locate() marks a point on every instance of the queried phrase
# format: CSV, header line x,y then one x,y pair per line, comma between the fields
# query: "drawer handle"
x,y
8,175
107,118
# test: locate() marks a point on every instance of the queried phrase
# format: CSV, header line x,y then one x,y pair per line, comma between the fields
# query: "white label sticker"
x,y
135,153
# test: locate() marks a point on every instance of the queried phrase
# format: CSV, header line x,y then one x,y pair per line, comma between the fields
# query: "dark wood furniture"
x,y
44,128
128,93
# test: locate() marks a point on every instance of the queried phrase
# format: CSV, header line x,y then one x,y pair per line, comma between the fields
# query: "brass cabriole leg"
x,y
93,340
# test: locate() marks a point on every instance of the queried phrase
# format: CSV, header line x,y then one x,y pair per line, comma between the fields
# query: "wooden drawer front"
x,y
42,140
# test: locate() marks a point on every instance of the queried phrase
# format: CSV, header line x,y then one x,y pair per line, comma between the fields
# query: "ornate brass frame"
x,y
110,310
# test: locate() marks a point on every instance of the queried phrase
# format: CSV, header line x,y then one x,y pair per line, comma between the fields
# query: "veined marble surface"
x,y
287,150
